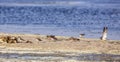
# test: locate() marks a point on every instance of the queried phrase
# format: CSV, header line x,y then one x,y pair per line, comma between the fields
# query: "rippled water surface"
x,y
61,57
61,20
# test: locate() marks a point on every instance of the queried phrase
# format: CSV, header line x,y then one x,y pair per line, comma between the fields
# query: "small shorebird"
x,y
104,33
82,35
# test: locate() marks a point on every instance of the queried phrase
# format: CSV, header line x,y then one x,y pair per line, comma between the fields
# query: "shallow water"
x,y
61,57
61,20
61,31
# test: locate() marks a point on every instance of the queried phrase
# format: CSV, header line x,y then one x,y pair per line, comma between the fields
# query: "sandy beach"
x,y
57,48
59,30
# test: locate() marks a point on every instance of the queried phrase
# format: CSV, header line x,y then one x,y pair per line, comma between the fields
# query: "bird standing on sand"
x,y
82,35
104,33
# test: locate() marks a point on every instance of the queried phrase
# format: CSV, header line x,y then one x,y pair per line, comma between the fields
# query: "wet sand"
x,y
60,50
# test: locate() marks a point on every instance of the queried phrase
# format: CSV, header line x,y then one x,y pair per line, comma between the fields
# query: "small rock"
x,y
11,39
28,42
51,37
39,39
73,39
20,40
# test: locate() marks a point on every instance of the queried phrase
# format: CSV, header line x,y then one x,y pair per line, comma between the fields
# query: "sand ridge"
x,y
65,44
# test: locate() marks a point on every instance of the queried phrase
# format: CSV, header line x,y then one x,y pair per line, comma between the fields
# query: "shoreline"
x,y
58,48
62,44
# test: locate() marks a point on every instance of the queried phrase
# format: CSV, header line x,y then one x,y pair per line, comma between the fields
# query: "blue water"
x,y
61,56
61,20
